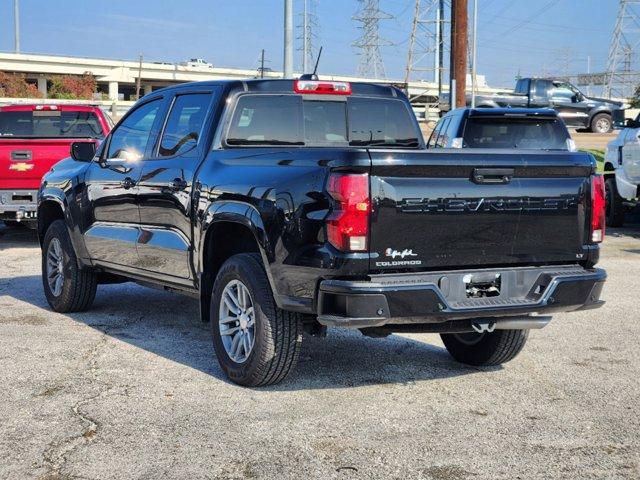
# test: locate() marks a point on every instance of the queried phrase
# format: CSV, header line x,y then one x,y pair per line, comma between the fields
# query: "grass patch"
x,y
599,156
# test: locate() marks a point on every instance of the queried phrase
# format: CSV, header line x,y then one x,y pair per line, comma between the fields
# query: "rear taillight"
x,y
597,208
348,224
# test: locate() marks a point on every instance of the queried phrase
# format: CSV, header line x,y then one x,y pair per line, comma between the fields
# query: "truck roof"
x,y
286,86
507,112
28,107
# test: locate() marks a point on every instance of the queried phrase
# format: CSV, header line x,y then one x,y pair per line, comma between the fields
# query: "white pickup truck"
x,y
622,173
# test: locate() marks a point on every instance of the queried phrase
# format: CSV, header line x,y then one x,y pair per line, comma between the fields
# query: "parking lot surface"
x,y
131,389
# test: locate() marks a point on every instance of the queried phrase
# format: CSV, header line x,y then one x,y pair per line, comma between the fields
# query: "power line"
x,y
526,21
369,42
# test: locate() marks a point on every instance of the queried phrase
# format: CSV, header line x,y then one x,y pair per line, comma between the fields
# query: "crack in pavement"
x,y
56,454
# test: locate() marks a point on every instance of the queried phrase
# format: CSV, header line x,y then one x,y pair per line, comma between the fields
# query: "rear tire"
x,y
601,123
273,336
614,205
485,349
67,287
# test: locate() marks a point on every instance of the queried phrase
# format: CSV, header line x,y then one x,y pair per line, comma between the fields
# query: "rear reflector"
x,y
348,224
598,207
321,87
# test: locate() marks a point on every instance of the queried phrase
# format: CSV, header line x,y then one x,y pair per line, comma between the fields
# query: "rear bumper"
x,y
18,204
440,297
627,188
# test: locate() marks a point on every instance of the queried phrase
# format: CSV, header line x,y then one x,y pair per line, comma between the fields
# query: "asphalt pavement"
x,y
131,389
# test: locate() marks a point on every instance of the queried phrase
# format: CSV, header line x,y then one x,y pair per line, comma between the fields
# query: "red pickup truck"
x,y
32,139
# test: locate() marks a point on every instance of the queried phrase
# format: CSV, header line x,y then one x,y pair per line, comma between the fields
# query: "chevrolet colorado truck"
x,y
576,109
32,139
289,206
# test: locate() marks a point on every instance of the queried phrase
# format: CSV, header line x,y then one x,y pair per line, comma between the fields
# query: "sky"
x,y
551,37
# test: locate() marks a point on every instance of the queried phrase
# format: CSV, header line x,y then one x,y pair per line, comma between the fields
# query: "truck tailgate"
x,y
24,161
477,208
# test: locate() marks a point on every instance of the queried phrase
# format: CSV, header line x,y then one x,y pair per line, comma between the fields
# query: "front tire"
x,y
67,287
601,123
256,343
614,206
485,349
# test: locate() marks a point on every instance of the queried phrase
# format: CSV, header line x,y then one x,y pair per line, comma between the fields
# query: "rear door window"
x,y
184,124
50,124
520,133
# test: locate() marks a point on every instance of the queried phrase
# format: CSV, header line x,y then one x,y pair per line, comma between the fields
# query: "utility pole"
x,y
288,38
625,43
16,25
458,61
440,46
262,64
474,55
139,78
369,43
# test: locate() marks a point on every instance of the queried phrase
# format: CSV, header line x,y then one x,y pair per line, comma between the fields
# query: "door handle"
x,y
492,175
128,183
178,184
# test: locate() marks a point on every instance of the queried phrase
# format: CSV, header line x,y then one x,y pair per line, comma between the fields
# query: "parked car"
x,y
197,63
32,139
295,205
622,173
511,128
576,109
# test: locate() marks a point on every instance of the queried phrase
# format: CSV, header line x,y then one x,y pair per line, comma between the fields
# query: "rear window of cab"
x,y
279,120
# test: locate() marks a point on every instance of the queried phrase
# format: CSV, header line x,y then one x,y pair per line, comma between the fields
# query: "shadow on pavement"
x,y
12,237
168,325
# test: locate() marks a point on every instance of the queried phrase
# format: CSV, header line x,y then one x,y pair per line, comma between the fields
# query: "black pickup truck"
x,y
286,206
576,109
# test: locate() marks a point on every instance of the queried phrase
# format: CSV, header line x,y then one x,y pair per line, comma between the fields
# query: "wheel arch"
x,y
50,209
230,228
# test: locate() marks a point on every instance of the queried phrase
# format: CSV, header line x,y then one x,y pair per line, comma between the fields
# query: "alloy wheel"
x,y
55,267
236,321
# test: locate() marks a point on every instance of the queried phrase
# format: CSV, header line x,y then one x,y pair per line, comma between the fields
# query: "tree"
x,y
73,86
15,85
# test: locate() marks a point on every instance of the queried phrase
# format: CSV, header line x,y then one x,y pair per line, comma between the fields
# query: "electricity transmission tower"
x,y
426,42
308,33
369,43
621,80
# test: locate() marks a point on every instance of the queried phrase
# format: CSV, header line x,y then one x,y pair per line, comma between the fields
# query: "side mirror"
x,y
631,123
83,151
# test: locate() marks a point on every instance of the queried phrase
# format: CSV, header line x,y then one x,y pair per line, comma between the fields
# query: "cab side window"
x,y
434,134
184,124
443,134
129,140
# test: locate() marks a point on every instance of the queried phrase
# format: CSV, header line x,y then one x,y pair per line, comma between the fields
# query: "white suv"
x,y
622,173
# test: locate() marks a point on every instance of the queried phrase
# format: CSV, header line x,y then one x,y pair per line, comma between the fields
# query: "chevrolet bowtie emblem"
x,y
21,167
